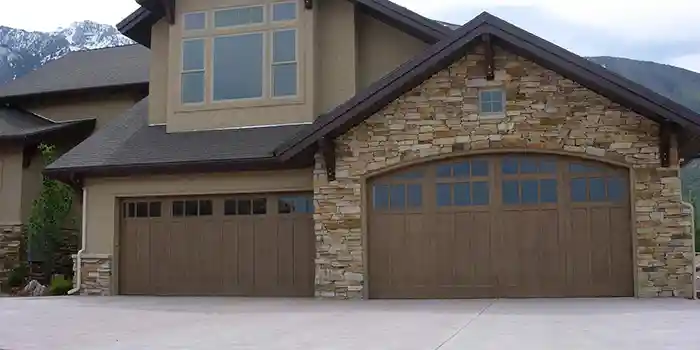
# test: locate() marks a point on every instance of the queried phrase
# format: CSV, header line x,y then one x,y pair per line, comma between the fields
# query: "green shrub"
x,y
60,285
18,276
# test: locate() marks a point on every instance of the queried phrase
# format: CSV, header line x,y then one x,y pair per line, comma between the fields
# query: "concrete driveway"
x,y
269,324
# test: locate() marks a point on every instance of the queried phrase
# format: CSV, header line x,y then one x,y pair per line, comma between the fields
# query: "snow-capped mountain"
x,y
22,51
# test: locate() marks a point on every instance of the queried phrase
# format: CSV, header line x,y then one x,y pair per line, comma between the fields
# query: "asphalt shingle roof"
x,y
19,125
130,141
116,66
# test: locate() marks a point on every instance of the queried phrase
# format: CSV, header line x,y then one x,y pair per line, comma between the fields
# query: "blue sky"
x,y
665,31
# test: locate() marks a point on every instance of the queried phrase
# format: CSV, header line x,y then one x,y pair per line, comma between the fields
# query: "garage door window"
x,y
192,208
298,204
245,206
398,196
142,209
528,165
462,194
598,189
477,167
516,192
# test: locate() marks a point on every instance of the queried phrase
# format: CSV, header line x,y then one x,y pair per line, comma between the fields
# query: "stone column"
x,y
96,274
10,250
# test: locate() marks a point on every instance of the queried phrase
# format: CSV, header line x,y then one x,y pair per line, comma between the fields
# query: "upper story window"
x,y
240,53
492,101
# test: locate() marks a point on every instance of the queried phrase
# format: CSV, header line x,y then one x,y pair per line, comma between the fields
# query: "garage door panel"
x,y
524,225
219,246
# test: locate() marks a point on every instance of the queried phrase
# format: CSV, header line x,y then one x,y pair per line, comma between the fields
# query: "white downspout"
x,y
692,223
79,257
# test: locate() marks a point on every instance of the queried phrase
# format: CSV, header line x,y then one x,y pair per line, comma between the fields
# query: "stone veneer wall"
x,y
96,274
10,250
545,111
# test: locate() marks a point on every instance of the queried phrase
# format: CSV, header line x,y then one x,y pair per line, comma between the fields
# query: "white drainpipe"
x,y
79,257
692,222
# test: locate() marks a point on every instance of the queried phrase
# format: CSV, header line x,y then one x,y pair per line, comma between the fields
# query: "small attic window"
x,y
492,101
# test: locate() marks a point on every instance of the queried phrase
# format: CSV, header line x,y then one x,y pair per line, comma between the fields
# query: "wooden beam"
x,y
169,7
665,136
28,154
327,147
308,4
488,56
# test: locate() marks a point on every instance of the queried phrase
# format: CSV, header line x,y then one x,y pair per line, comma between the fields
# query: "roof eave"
x,y
140,86
71,132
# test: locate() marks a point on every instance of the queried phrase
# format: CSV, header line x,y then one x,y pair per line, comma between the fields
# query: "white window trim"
x,y
264,22
273,64
263,96
206,22
184,71
503,102
272,12
268,27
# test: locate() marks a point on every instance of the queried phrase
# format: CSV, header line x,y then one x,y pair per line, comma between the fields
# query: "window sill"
x,y
216,106
492,116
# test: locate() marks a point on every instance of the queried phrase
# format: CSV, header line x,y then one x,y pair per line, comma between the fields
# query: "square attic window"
x,y
492,101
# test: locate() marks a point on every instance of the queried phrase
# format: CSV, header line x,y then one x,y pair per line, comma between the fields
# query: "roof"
x,y
81,70
436,58
137,25
129,144
22,127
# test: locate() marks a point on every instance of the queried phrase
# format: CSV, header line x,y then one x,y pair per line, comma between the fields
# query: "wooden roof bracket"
x,y
668,144
327,147
169,6
28,153
308,4
488,56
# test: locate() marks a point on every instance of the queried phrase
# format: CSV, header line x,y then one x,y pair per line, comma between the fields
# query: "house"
x,y
59,104
355,149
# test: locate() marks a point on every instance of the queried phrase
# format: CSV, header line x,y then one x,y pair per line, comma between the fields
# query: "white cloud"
x,y
635,20
47,15
691,62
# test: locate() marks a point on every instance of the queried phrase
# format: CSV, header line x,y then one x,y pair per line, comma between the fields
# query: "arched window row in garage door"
x,y
524,180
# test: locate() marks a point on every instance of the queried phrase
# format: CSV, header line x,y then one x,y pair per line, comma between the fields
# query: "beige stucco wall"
x,y
336,53
158,73
10,186
545,111
103,107
341,51
381,48
103,195
31,185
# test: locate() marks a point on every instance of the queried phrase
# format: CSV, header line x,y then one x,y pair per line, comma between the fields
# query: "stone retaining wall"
x,y
96,274
10,250
545,111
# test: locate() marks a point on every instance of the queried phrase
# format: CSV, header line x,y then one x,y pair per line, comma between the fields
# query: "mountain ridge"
x,y
22,51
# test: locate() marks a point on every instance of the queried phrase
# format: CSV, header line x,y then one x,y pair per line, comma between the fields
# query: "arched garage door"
x,y
501,226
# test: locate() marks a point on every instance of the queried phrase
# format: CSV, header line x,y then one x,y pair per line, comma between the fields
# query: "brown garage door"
x,y
501,226
253,245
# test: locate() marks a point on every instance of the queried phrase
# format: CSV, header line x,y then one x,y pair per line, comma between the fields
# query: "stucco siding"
x,y
104,194
10,186
103,107
158,86
381,49
545,112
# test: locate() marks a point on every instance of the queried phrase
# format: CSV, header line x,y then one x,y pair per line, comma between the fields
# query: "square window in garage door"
x,y
142,209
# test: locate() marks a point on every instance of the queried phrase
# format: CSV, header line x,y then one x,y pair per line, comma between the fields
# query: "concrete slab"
x,y
269,324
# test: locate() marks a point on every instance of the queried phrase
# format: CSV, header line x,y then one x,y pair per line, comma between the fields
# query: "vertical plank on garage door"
x,y
246,254
379,255
442,255
160,255
304,253
621,248
579,253
265,232
179,271
209,255
472,259
601,253
231,252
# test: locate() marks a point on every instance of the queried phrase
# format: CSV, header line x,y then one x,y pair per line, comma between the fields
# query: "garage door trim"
x,y
367,178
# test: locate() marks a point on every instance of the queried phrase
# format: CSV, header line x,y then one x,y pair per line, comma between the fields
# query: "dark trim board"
x,y
409,75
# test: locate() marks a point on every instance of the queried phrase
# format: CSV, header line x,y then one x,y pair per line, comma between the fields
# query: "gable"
x,y
487,28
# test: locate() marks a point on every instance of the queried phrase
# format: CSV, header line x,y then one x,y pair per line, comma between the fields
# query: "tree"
x,y
51,213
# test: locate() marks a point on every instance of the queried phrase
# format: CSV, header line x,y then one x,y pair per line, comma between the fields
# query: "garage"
x,y
500,226
238,245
